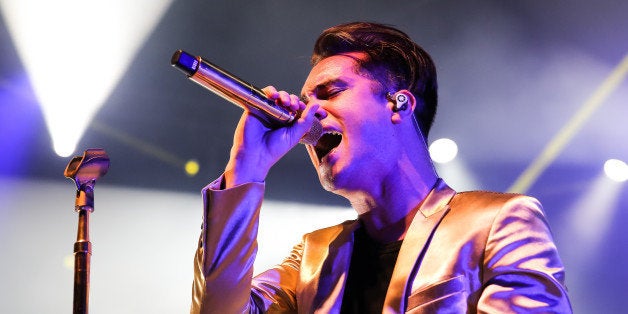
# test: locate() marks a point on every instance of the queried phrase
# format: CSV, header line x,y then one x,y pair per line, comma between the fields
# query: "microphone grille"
x,y
313,135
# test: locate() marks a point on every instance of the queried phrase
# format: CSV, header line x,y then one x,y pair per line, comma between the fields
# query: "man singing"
x,y
417,246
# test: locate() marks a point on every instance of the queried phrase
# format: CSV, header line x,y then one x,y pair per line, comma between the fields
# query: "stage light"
x,y
563,137
616,170
443,150
192,167
588,222
75,52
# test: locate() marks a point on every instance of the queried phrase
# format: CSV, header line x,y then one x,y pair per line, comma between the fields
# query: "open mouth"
x,y
327,143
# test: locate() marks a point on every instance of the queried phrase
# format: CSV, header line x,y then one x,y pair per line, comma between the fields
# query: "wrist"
x,y
236,174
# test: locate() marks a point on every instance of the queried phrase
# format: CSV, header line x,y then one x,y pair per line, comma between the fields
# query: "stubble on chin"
x,y
326,178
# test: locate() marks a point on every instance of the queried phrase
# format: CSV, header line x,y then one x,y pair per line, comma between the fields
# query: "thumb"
x,y
308,127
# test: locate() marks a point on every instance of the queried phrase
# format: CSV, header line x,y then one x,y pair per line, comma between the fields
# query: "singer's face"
x,y
358,144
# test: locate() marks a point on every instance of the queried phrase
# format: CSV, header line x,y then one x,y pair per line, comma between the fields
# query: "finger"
x,y
308,115
320,113
295,103
302,105
271,92
284,99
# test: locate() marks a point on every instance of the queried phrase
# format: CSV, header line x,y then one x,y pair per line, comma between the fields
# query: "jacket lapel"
x,y
424,224
334,271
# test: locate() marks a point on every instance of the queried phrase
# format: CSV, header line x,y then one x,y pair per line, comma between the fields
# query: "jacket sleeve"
x,y
223,263
522,270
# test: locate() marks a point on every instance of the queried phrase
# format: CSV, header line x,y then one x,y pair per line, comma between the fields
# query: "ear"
x,y
402,105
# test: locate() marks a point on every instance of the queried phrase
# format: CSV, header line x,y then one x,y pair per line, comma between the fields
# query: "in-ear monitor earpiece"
x,y
401,102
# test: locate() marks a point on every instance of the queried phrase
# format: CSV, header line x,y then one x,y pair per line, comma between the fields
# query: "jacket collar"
x,y
433,209
331,285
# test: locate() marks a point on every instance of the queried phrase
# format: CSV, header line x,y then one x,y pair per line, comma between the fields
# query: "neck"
x,y
387,211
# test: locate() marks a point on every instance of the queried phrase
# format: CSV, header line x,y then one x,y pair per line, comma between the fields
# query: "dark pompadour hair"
x,y
393,59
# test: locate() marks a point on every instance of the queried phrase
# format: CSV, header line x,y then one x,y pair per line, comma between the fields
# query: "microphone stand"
x,y
84,171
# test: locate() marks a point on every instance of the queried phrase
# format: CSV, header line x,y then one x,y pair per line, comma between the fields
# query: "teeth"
x,y
328,141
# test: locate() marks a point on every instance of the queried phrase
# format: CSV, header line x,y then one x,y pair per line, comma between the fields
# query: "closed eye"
x,y
330,94
327,90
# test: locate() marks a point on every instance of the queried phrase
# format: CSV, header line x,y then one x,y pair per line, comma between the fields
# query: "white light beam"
x,y
75,52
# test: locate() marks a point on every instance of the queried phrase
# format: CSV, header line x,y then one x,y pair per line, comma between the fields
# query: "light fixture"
x,y
443,150
616,170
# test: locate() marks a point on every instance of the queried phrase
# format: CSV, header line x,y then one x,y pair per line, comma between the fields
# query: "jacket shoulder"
x,y
491,201
485,208
328,233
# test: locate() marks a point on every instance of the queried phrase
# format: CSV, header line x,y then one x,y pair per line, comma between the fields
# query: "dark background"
x,y
511,75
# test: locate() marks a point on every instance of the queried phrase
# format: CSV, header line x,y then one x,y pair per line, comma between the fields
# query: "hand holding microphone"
x,y
241,93
255,148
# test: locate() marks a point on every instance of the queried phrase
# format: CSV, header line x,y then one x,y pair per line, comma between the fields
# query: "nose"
x,y
321,113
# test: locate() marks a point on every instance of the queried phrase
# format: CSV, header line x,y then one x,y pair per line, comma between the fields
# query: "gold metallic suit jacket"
x,y
464,253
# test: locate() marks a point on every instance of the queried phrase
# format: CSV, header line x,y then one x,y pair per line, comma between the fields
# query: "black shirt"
x,y
372,264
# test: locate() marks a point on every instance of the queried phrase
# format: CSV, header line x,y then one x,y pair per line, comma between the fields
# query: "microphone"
x,y
241,94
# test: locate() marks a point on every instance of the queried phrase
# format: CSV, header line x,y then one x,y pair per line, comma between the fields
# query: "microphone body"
x,y
240,93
